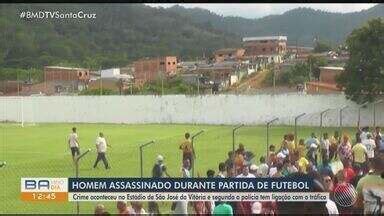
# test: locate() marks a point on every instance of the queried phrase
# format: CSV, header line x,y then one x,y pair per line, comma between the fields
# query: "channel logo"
x,y
44,185
44,189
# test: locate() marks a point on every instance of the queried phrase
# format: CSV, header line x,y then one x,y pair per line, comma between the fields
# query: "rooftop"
x,y
323,85
265,38
64,68
300,47
226,50
332,68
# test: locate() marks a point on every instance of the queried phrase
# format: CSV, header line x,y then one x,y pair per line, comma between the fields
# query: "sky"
x,y
261,10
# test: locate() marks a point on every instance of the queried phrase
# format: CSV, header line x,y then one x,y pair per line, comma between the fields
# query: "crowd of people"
x,y
332,161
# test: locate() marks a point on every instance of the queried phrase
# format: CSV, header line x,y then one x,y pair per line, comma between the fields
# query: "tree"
x,y
297,74
363,78
314,63
321,46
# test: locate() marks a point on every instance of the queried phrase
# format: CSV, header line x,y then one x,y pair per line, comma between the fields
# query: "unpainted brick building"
x,y
149,69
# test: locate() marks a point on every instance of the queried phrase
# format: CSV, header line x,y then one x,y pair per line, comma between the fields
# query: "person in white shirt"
x,y
263,168
101,147
136,208
272,171
363,133
185,168
180,207
253,169
221,170
329,187
332,207
370,145
324,145
73,143
246,173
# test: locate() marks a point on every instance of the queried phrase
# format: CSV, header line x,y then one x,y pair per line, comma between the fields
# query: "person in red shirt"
x,y
348,172
272,155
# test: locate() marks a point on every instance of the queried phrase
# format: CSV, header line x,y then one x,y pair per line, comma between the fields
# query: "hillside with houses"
x,y
173,51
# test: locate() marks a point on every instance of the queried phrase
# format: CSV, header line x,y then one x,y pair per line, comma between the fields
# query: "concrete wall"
x,y
209,109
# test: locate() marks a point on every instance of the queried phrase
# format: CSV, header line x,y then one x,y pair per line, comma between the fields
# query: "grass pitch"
x,y
42,151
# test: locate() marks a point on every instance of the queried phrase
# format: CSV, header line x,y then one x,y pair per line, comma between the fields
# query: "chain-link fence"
x,y
41,150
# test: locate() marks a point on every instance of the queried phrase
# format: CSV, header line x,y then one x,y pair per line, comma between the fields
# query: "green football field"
x,y
42,151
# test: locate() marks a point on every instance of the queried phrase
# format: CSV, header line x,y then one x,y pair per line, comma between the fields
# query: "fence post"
x,y
359,113
374,112
233,142
341,119
321,121
268,124
141,155
233,135
296,120
77,176
194,155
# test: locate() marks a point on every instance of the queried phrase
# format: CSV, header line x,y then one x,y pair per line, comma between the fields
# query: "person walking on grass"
x,y
101,147
324,147
159,170
73,144
187,148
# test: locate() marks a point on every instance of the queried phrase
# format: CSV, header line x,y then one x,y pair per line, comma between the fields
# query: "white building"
x,y
110,73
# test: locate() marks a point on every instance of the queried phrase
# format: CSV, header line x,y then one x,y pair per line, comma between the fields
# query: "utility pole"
x,y
162,84
17,80
321,120
374,111
296,120
310,69
198,85
101,83
359,113
274,78
268,125
77,176
341,119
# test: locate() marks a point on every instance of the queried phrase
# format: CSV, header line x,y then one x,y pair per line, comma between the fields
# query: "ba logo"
x,y
36,184
44,184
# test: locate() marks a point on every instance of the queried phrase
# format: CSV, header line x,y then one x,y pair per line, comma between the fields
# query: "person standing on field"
x,y
73,143
344,150
185,169
334,144
101,147
188,151
379,139
359,156
325,146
